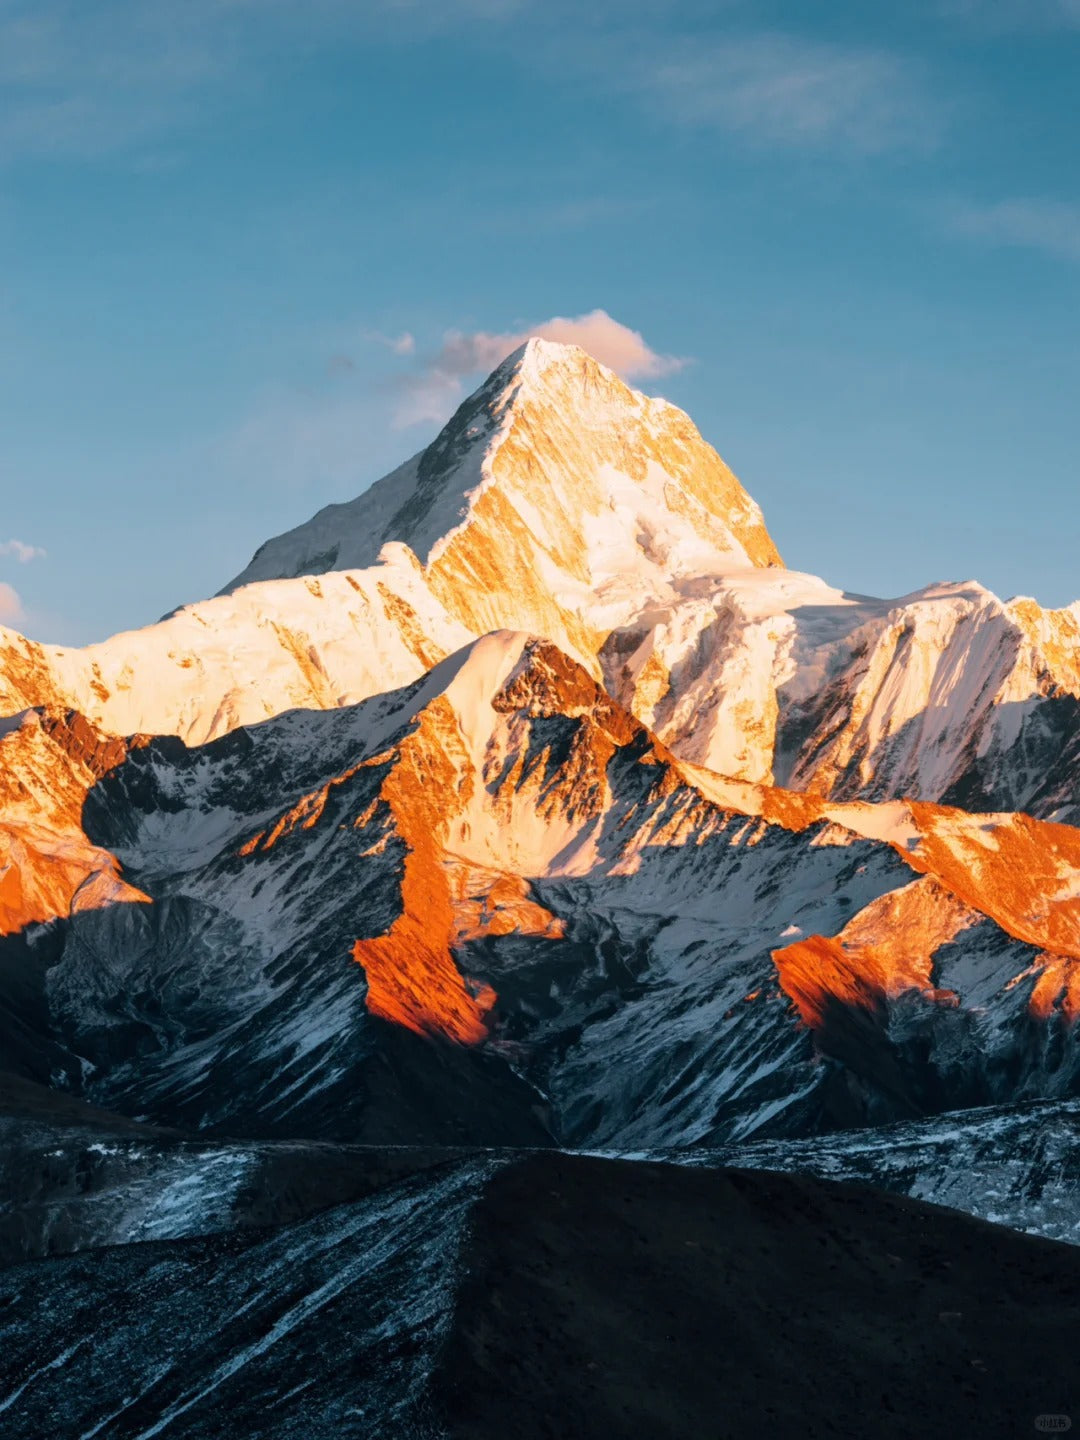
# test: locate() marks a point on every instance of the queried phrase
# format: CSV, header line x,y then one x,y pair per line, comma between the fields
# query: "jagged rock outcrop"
x,y
497,887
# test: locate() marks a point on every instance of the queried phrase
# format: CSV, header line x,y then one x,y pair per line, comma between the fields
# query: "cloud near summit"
x,y
429,395
613,344
10,604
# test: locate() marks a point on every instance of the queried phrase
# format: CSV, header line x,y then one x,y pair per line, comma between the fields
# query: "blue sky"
x,y
220,220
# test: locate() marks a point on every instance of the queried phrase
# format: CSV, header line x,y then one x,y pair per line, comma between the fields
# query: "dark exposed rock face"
x,y
491,908
554,1294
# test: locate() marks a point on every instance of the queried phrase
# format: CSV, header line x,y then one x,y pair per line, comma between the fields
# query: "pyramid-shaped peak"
x,y
539,362
538,370
536,352
556,500
539,355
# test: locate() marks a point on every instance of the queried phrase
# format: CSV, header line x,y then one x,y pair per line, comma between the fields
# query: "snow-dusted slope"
x,y
945,694
354,1305
524,802
561,502
74,1186
538,1295
432,835
588,930
1013,1165
557,500
314,643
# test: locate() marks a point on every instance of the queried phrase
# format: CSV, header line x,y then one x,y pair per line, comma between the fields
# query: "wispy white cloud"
x,y
11,609
86,79
787,90
1052,226
22,552
605,338
1006,15
403,344
83,79
343,432
430,393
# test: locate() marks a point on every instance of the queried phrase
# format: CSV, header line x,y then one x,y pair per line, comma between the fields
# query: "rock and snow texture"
x,y
528,798
607,946
560,502
371,1284
72,1185
1015,1165
313,643
947,694
538,1294
556,500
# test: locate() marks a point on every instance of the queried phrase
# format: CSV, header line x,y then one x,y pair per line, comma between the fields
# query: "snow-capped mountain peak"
x,y
554,485
560,502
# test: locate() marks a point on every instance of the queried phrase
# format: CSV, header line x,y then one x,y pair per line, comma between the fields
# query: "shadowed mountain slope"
x,y
555,1294
493,907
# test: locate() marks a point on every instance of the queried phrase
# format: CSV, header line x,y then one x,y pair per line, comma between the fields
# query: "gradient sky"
x,y
235,235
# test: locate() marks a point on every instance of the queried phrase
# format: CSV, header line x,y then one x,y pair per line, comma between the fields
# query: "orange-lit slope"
x,y
488,904
1022,873
886,949
471,788
48,762
310,643
411,974
462,802
481,803
591,497
1057,987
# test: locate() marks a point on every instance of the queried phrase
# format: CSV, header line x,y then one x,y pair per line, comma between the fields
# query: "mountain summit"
x,y
556,498
559,502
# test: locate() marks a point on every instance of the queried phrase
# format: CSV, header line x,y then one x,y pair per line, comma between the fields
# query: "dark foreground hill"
x,y
548,1295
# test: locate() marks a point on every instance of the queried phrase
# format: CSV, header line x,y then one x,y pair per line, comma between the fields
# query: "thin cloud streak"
x,y
785,90
87,80
1049,226
22,552
1010,15
403,344
90,80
